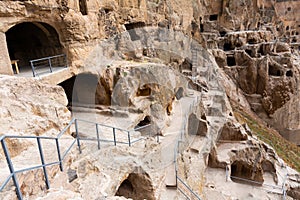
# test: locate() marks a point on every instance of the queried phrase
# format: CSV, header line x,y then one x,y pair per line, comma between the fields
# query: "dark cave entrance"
x,y
131,29
137,186
85,89
243,172
231,61
32,40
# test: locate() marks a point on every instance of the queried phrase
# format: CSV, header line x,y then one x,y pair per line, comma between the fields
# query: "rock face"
x,y
29,107
135,60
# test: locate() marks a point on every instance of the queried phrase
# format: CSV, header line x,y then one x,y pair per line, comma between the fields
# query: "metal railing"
x,y
60,155
192,194
39,66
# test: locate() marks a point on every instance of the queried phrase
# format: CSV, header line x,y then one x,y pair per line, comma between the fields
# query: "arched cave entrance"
x,y
137,186
243,172
32,40
86,89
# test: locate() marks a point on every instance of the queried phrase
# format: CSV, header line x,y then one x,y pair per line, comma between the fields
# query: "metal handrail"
x,y
61,158
194,194
49,63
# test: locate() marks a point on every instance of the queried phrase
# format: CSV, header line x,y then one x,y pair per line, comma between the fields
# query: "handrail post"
x,y
98,139
32,68
43,162
114,133
157,135
50,65
77,136
59,155
129,142
11,169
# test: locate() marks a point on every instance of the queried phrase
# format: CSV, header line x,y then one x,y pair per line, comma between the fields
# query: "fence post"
x,y
157,135
11,169
114,133
98,138
77,136
50,65
129,142
32,68
59,156
43,162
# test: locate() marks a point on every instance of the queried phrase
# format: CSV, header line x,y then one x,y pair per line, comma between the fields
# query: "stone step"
x,y
170,180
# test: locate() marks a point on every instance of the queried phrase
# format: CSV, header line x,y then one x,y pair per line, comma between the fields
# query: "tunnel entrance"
x,y
243,172
85,89
32,40
137,186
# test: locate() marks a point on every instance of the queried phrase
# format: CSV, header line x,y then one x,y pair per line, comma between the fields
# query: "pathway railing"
x,y
182,186
39,66
60,155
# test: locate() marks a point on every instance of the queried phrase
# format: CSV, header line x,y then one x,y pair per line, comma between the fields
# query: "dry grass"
x,y
288,151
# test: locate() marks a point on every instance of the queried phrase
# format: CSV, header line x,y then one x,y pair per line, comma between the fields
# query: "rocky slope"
x,y
179,66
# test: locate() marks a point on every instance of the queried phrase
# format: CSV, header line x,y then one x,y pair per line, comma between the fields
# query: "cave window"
x,y
287,28
289,73
186,65
228,47
297,33
231,61
273,71
136,186
146,121
249,52
130,28
222,33
213,17
252,41
294,40
144,91
289,9
201,28
241,170
83,7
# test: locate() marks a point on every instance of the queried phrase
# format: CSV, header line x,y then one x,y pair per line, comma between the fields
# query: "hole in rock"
x,y
289,73
242,172
144,91
274,71
222,33
83,7
231,61
228,47
137,186
131,29
213,17
144,122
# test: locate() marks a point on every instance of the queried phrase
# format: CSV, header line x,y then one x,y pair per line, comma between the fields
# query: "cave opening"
x,y
289,73
222,33
249,52
136,186
144,91
242,172
31,40
186,65
274,71
83,7
146,121
252,41
213,17
228,47
85,89
131,29
231,61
